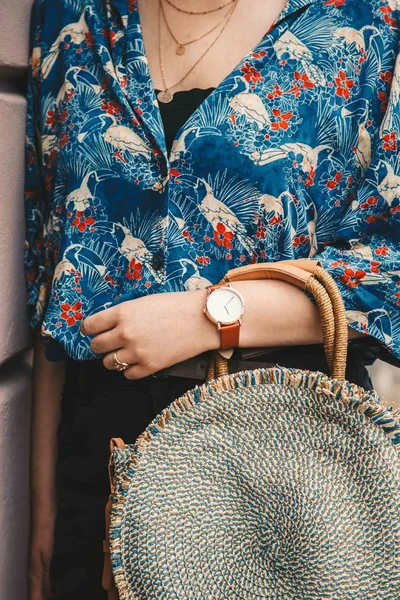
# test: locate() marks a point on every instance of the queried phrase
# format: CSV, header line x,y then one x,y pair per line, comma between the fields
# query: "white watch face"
x,y
225,305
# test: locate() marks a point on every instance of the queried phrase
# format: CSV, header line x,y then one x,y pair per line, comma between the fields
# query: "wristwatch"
x,y
224,306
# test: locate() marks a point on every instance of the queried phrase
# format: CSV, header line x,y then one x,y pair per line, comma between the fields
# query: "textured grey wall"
x,y
15,360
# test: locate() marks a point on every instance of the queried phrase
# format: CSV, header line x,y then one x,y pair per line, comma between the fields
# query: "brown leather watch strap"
x,y
215,286
230,335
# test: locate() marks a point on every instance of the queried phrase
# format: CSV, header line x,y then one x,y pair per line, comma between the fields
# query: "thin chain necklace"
x,y
181,46
204,12
166,95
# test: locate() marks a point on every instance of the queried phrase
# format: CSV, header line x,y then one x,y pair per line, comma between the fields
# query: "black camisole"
x,y
175,113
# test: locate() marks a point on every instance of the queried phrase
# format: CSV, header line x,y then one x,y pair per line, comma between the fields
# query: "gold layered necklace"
x,y
181,46
202,12
166,95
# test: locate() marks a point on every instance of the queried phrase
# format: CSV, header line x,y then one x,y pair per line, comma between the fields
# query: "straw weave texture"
x,y
273,483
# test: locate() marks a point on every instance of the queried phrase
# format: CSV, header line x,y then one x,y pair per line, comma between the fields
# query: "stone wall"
x,y
15,339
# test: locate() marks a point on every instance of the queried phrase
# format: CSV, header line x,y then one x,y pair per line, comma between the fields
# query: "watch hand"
x,y
226,309
229,301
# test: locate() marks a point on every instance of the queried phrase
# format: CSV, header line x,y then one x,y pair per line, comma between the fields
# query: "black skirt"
x,y
98,404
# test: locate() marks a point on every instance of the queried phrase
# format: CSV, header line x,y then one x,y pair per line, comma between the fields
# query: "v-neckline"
x,y
291,7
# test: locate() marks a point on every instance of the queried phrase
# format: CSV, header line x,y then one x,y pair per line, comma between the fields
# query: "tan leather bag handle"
x,y
308,275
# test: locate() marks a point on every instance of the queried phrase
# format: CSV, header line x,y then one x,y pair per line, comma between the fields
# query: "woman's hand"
x,y
152,332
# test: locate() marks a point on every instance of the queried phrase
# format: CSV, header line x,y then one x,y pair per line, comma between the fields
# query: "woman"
x,y
168,142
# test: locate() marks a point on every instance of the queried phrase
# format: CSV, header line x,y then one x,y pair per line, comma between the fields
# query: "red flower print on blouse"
x,y
390,142
374,266
187,235
352,278
333,183
334,2
371,201
303,81
284,119
382,251
52,119
387,77
387,11
338,263
383,97
81,222
222,237
301,240
343,85
203,260
276,220
276,93
110,107
64,139
71,314
251,74
261,231
134,271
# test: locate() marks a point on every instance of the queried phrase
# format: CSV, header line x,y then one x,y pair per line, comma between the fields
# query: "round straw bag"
x,y
273,483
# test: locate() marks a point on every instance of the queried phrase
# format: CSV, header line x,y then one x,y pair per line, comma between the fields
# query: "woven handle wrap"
x,y
310,276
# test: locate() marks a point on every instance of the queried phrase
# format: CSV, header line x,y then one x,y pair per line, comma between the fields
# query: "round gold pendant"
x,y
165,96
180,49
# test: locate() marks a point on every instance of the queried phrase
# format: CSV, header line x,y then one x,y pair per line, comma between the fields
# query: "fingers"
x,y
106,342
137,372
102,321
122,355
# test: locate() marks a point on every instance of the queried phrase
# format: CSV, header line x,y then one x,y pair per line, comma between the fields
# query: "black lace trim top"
x,y
174,114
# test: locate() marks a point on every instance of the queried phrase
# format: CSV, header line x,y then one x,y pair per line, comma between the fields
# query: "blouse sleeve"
x,y
35,256
364,256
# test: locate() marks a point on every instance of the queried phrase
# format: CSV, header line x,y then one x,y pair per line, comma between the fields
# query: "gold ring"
x,y
119,365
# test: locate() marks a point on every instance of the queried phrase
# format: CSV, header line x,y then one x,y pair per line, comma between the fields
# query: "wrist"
x,y
207,332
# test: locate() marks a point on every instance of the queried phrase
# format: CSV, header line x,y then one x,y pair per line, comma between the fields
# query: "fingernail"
x,y
82,328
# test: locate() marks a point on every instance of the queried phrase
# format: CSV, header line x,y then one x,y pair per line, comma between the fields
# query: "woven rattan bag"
x,y
274,483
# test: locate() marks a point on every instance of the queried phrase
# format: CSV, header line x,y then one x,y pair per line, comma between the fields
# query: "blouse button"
x,y
157,261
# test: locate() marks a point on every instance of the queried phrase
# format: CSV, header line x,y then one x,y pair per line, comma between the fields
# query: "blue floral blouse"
x,y
295,154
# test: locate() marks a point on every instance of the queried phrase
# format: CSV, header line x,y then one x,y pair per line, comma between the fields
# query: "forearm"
x,y
48,380
276,314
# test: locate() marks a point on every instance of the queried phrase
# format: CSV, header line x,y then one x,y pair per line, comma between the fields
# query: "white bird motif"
x,y
274,204
83,196
252,107
363,149
354,36
49,142
77,31
362,319
133,248
69,85
82,255
195,281
387,123
308,163
217,212
121,137
389,188
168,219
288,43
110,68
180,145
